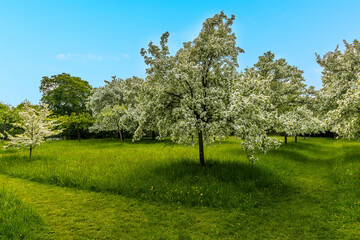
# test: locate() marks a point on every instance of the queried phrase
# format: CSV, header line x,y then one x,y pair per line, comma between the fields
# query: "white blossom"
x,y
115,105
252,115
197,95
345,119
37,127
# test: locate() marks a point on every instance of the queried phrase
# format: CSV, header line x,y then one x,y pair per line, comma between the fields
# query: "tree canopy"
x,y
8,116
339,74
36,126
115,105
65,94
284,86
338,97
190,93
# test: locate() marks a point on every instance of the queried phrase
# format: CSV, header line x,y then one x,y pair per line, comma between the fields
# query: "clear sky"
x,y
95,40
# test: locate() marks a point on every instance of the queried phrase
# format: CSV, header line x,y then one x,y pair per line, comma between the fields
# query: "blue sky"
x,y
95,40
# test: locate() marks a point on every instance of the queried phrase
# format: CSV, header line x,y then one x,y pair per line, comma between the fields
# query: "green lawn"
x,y
100,189
16,220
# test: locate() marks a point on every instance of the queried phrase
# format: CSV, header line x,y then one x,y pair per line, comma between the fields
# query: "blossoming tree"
x,y
115,106
251,114
191,95
345,119
116,118
339,74
284,86
36,126
299,121
339,93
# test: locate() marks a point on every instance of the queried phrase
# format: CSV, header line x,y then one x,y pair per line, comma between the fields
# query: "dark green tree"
x,y
5,116
65,94
76,125
8,116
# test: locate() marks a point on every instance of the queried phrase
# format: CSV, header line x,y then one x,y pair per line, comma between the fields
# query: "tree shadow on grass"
x,y
307,153
292,146
218,184
301,157
308,146
299,152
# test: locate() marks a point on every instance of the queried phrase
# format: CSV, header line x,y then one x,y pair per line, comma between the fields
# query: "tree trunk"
x,y
201,148
153,135
295,138
118,132
30,151
285,138
121,137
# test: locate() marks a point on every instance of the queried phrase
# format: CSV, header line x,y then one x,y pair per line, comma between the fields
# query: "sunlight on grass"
x,y
309,188
151,171
16,220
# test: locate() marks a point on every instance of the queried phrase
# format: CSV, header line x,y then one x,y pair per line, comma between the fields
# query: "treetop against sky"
x,y
95,40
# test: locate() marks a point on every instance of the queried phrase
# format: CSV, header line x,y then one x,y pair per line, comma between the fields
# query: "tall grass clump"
x,y
16,220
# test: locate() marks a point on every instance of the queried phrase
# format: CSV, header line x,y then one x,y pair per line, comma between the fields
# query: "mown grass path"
x,y
308,190
77,214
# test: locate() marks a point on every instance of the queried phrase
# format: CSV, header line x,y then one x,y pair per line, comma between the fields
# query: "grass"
x,y
304,190
16,220
150,171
